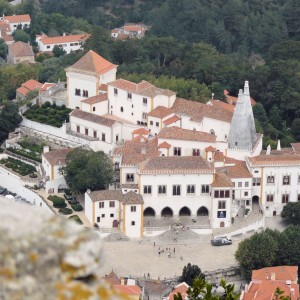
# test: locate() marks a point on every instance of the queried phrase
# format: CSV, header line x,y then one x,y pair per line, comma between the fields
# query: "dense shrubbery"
x,y
48,114
76,219
77,207
58,202
30,155
18,166
65,211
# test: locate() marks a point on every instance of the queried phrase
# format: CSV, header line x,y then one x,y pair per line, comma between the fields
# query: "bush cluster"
x,y
19,167
65,211
76,219
77,207
58,202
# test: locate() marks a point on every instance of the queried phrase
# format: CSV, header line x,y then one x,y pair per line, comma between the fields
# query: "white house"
x,y
68,43
17,20
51,163
113,209
85,77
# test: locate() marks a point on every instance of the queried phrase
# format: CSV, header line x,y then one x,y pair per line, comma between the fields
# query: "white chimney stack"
x,y
278,146
268,150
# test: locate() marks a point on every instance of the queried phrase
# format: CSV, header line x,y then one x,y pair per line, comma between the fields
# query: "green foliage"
x,y
189,273
296,129
9,120
3,49
77,207
291,212
19,166
76,219
20,35
86,169
65,211
58,202
58,51
260,114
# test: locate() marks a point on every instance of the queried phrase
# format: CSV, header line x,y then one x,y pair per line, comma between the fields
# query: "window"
x,y
151,122
221,194
246,184
240,184
121,109
103,137
212,132
115,91
117,138
222,205
157,124
196,152
147,189
129,177
227,194
85,93
78,128
270,198
132,223
133,208
256,172
95,134
205,189
129,95
233,194
298,179
98,219
177,151
246,194
144,115
270,179
145,100
286,180
111,203
298,197
103,216
285,198
48,47
86,131
176,190
256,182
94,108
248,202
112,215
77,92
101,204
190,189
162,189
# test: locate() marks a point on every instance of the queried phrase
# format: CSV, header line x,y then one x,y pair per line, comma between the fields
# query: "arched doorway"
x,y
255,200
184,212
202,211
222,224
167,212
115,223
149,212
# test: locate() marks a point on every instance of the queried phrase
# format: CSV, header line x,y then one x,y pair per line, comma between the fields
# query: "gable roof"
x,y
78,113
113,278
17,18
128,289
285,159
279,273
296,147
64,39
175,164
197,111
20,49
93,63
231,100
221,180
143,131
177,133
32,84
238,171
171,120
164,145
57,157
221,104
160,112
95,99
181,288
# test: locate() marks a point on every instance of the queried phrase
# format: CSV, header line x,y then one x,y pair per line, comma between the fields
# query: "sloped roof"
x,y
95,99
160,112
113,278
78,113
20,49
92,62
273,159
128,289
182,289
296,147
177,133
164,145
32,84
280,273
65,39
221,104
175,164
57,157
171,120
238,171
143,131
197,111
221,180
17,18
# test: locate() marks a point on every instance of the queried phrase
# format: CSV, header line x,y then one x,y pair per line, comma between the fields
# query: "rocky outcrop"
x,y
45,257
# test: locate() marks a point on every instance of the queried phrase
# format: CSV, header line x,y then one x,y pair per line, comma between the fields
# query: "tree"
x,y
58,51
20,35
9,120
291,212
295,130
86,169
189,273
275,117
260,114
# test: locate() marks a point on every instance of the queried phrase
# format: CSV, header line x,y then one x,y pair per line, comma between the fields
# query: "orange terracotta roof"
x,y
181,288
171,120
273,159
177,133
296,147
280,273
103,87
113,278
210,149
164,145
115,30
238,171
93,118
93,63
17,18
139,138
135,28
64,39
128,198
218,103
20,49
129,290
197,111
32,84
142,131
57,157
160,112
265,290
22,90
47,85
231,100
221,180
95,99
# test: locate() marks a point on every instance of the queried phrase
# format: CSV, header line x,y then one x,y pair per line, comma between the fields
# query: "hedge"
x,y
58,202
76,219
77,207
65,211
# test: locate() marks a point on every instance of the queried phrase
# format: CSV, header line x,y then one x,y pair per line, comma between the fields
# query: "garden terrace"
x,y
19,167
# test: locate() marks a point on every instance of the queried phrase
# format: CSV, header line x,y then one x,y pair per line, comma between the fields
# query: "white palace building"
x,y
173,157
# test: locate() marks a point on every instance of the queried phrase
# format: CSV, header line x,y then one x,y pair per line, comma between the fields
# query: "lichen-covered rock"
x,y
44,257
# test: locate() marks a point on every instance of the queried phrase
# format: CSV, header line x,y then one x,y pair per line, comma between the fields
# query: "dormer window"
x,y
115,91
